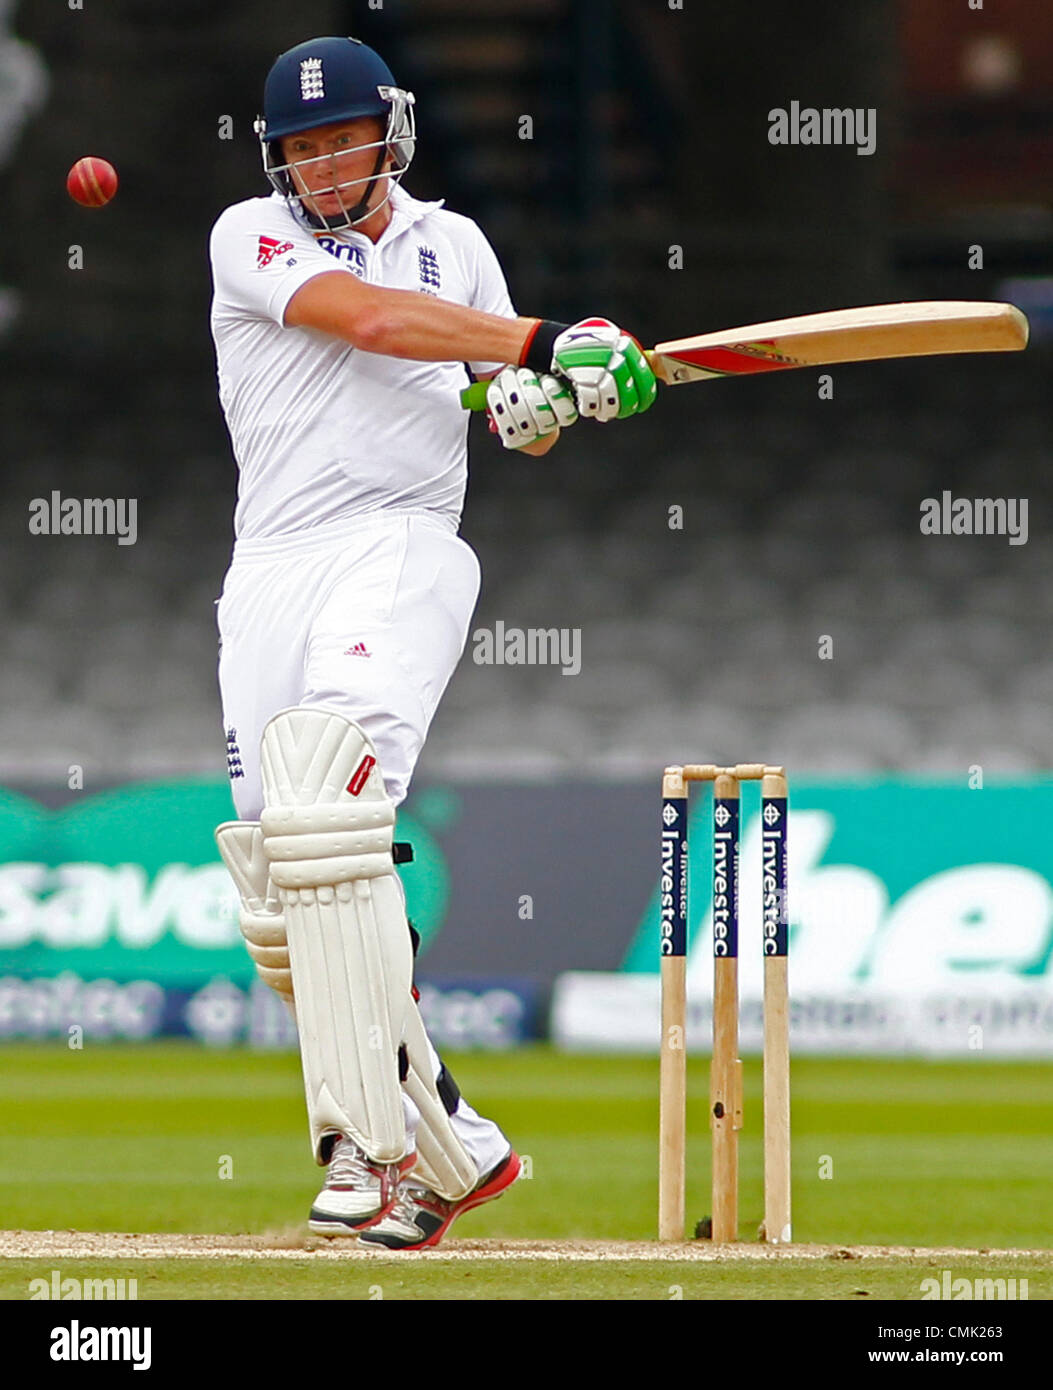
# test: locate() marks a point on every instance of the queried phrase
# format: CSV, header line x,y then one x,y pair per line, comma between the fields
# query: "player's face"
x,y
340,156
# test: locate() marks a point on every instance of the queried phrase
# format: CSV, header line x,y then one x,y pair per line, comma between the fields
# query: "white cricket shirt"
x,y
322,431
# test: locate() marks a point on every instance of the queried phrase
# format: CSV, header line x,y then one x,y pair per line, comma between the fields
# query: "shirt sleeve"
x,y
260,258
490,293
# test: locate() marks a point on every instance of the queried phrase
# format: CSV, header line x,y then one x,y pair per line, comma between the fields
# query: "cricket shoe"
x,y
421,1217
358,1192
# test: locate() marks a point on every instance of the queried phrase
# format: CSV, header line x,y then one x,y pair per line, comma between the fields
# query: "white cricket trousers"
x,y
366,617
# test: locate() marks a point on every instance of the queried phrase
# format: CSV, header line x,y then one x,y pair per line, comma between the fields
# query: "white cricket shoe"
x,y
421,1218
358,1192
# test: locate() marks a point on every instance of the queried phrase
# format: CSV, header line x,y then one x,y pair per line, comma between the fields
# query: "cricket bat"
x,y
922,329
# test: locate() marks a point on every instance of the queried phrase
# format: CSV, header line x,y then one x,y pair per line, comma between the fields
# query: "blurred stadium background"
x,y
649,132
801,515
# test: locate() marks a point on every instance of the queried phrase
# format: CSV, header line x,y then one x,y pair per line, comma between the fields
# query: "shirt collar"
x,y
406,212
404,205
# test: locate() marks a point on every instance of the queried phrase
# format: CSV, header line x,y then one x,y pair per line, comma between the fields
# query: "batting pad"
x,y
260,916
443,1163
327,829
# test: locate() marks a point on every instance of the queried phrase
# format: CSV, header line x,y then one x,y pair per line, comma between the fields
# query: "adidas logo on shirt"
x,y
268,249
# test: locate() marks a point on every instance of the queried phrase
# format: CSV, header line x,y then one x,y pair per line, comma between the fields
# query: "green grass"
x,y
919,1153
431,1277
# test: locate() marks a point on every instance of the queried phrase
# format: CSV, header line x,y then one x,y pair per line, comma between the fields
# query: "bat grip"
x,y
474,397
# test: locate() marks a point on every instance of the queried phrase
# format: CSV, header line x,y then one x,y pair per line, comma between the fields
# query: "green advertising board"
x,y
921,918
921,913
908,883
128,884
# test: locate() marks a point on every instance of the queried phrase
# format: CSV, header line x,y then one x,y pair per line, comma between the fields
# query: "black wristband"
x,y
537,350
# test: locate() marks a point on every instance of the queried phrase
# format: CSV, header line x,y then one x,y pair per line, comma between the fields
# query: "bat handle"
x,y
474,397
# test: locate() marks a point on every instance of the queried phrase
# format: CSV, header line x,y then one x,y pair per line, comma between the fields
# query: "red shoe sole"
x,y
501,1180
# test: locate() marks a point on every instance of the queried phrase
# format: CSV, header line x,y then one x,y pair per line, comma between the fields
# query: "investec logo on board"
x,y
725,844
672,902
771,839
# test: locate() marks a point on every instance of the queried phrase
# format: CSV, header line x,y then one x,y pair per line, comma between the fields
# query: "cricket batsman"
x,y
345,313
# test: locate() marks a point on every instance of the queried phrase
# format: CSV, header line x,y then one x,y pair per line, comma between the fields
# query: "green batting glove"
x,y
608,370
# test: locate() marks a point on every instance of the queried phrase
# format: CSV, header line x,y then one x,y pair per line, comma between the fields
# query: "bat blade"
x,y
925,328
922,329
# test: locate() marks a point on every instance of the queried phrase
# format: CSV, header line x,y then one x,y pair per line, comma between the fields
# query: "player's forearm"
x,y
401,323
404,324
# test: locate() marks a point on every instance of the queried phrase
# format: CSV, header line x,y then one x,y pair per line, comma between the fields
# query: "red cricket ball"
x,y
92,182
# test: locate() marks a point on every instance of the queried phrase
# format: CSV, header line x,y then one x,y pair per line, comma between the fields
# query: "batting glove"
x,y
607,368
524,406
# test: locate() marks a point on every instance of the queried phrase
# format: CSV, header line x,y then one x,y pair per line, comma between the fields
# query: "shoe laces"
x,y
349,1166
409,1197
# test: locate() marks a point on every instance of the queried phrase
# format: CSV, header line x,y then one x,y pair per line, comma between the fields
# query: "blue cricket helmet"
x,y
326,80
